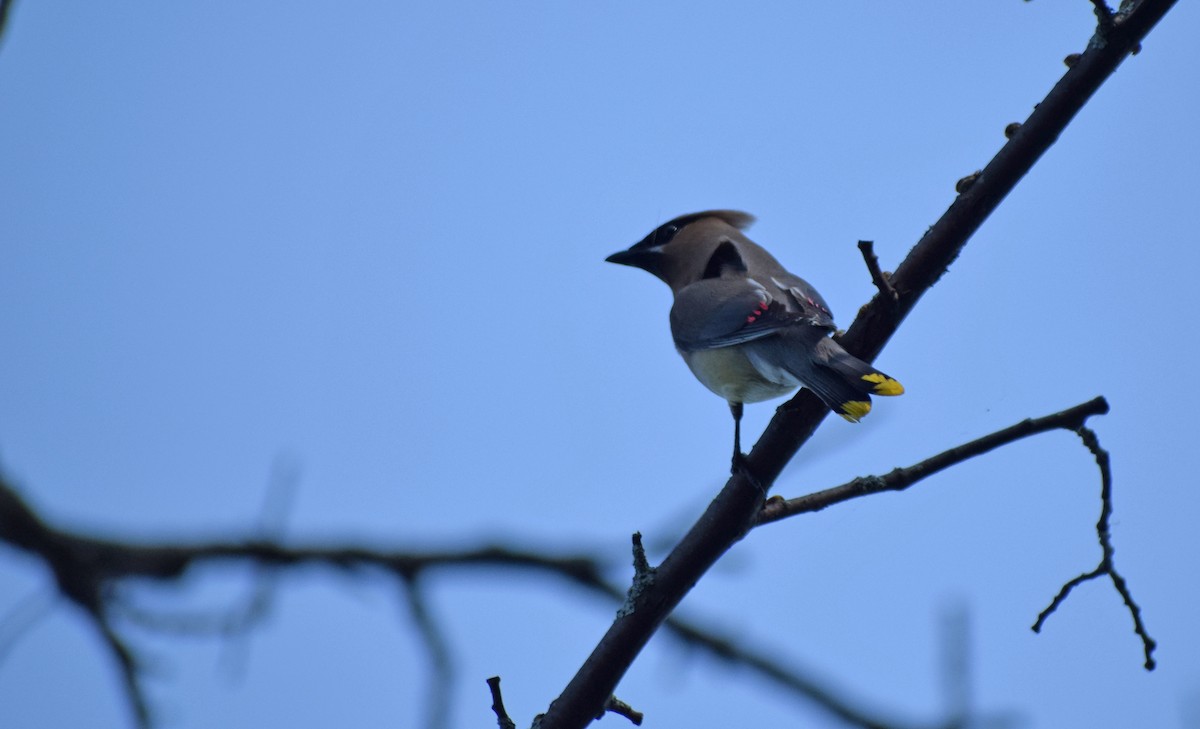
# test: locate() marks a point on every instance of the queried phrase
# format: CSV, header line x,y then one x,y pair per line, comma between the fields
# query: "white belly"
x,y
727,372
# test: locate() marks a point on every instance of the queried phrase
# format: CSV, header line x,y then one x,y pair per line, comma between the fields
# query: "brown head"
x,y
679,250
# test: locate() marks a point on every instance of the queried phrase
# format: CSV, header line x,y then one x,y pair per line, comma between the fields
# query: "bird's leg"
x,y
738,458
739,464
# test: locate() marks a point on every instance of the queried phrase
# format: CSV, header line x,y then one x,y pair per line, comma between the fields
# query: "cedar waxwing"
x,y
748,329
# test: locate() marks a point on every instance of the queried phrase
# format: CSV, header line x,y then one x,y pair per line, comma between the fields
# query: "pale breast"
x,y
727,372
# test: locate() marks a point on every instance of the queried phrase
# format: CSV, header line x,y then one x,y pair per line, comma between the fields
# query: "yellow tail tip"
x,y
884,385
854,410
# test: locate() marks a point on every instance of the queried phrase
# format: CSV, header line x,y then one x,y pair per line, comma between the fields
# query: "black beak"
x,y
643,259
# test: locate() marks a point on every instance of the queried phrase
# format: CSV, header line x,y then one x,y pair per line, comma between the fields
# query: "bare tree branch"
x,y
441,679
127,665
22,617
901,478
5,9
878,277
87,569
620,708
733,511
955,644
799,682
1107,565
502,717
166,562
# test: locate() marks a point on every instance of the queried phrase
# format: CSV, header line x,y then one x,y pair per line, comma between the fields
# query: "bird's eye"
x,y
665,234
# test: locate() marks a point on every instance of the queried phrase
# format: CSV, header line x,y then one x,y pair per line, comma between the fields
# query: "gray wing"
x,y
718,312
806,300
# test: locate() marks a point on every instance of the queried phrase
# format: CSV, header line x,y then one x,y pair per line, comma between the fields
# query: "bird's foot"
x,y
741,467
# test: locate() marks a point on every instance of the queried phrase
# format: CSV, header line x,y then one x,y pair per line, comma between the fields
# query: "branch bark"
x,y
733,511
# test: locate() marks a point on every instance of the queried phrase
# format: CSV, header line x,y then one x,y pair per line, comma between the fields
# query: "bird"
x,y
748,329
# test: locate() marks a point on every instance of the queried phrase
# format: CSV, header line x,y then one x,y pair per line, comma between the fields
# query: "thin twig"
x,y
878,277
127,665
441,680
502,717
643,576
804,684
22,617
955,643
283,483
238,620
620,708
641,566
1107,565
901,478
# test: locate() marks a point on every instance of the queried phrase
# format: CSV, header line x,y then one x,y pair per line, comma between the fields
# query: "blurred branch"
x,y
22,617
955,640
5,9
128,665
798,682
735,509
283,483
91,573
441,679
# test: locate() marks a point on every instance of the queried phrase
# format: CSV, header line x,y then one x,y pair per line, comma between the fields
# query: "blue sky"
x,y
367,243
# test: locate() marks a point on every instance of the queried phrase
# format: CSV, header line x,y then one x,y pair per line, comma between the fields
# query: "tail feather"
x,y
845,383
805,356
841,395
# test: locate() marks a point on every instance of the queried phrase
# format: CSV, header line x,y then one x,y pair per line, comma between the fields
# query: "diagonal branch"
x,y
800,683
733,511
